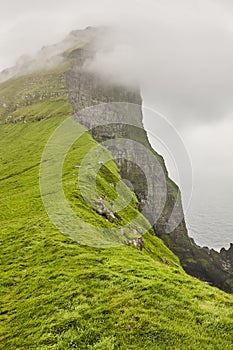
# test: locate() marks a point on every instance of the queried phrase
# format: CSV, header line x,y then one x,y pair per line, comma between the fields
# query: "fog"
x,y
180,53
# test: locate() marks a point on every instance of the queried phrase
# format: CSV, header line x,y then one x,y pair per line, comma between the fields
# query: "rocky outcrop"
x,y
103,210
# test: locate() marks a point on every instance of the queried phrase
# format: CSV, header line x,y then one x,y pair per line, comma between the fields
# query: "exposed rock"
x,y
137,242
110,216
103,210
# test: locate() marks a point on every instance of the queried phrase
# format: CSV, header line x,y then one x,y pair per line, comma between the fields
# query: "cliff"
x,y
65,82
71,286
87,89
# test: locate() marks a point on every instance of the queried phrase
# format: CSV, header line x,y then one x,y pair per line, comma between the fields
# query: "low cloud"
x,y
180,54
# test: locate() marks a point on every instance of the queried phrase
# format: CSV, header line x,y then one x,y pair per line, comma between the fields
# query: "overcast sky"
x,y
180,52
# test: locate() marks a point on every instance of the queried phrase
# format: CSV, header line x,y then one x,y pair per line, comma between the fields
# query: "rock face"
x,y
102,210
88,89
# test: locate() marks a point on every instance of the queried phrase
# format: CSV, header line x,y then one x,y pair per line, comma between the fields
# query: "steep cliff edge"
x,y
36,96
87,89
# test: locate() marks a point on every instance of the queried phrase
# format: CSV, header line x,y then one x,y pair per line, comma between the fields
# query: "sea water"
x,y
209,217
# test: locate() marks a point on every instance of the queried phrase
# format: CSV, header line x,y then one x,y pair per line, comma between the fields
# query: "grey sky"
x,y
180,52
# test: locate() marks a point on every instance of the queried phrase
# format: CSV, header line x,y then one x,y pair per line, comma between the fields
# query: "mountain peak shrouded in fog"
x,y
49,56
179,52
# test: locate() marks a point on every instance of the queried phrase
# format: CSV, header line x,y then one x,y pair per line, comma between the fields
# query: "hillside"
x,y
89,88
65,291
57,294
64,84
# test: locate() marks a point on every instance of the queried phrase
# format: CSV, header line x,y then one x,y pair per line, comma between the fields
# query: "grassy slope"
x,y
57,294
34,96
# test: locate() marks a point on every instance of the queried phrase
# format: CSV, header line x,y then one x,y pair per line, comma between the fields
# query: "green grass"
x,y
31,96
57,294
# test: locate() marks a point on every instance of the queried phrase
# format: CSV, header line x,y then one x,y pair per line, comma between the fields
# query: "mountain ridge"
x,y
70,85
58,294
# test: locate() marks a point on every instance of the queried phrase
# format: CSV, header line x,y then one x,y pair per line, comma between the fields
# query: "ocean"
x,y
209,218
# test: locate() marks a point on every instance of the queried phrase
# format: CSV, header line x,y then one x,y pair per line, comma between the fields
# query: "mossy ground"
x,y
57,294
